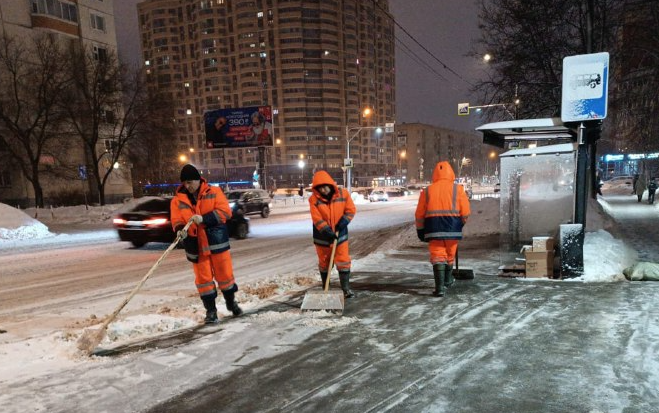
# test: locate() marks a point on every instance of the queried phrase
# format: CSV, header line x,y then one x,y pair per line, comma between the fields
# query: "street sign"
x,y
347,162
585,87
463,109
389,127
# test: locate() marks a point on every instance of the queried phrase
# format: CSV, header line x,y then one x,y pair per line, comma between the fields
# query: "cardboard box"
x,y
539,264
541,244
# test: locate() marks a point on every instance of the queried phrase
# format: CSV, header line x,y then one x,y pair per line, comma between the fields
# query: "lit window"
x,y
189,111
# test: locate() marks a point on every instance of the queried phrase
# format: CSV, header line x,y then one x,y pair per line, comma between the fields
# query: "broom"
x,y
91,338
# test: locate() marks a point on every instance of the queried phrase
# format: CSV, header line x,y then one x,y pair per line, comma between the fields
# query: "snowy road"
x,y
46,286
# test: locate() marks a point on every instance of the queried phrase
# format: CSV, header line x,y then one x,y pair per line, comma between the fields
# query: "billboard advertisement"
x,y
239,127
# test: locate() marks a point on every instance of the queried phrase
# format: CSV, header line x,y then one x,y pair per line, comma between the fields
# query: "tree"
x,y
106,109
33,78
154,154
635,103
529,41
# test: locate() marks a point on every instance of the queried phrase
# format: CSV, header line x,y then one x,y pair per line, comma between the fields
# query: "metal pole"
x,y
349,167
226,177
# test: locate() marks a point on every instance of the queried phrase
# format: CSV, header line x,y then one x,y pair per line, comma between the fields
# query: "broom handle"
x,y
141,283
331,263
457,261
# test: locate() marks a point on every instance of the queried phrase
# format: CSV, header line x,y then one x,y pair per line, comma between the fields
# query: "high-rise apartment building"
x,y
319,63
85,24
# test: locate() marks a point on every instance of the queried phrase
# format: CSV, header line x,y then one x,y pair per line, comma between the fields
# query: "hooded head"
x,y
321,178
443,172
190,173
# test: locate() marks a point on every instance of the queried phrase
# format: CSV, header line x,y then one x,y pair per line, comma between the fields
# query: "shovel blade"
x,y
331,300
463,274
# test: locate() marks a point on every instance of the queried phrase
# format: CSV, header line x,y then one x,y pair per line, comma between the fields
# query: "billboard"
x,y
239,127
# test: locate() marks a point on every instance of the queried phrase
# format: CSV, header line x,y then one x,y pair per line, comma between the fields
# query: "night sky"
x,y
445,27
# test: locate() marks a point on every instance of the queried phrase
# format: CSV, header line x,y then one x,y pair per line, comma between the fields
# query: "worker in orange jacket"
x,y
332,210
442,211
207,240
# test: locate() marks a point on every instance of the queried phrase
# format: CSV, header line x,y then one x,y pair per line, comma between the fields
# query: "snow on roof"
x,y
540,150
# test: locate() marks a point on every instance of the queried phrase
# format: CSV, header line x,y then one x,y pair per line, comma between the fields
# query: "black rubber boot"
x,y
323,278
449,280
344,277
230,298
439,272
211,310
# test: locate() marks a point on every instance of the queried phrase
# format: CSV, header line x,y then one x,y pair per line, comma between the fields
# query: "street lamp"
x,y
401,156
351,133
300,164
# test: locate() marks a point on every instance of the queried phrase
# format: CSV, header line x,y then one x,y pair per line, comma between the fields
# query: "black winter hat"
x,y
190,173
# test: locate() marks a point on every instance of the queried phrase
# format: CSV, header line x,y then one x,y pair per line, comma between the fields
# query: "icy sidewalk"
x,y
491,345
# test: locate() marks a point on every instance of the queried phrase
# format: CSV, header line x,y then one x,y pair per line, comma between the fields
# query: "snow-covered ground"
x,y
605,256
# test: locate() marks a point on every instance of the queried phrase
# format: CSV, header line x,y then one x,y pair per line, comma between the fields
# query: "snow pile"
x,y
148,325
605,257
484,218
324,319
17,225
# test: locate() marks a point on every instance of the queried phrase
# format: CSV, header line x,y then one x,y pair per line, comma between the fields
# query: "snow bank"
x,y
17,225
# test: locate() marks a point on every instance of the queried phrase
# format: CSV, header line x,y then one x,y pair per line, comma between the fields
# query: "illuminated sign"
x,y
613,158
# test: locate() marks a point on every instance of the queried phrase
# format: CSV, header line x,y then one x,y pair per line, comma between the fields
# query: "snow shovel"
x,y
325,299
91,338
462,274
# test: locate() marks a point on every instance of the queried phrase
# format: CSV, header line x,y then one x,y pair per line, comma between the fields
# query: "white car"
x,y
378,195
620,184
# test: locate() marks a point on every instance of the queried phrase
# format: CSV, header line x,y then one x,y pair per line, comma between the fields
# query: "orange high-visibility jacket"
x,y
443,206
326,214
210,237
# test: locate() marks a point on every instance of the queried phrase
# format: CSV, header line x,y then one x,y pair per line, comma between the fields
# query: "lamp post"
x,y
401,156
301,165
351,133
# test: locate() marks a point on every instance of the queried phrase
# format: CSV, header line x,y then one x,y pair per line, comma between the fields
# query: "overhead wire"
x,y
444,65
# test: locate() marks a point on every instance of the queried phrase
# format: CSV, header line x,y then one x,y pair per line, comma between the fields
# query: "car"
x,y
250,201
378,195
150,221
620,184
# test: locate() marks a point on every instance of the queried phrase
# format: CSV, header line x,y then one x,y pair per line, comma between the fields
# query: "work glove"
x,y
197,219
329,233
181,234
421,234
342,224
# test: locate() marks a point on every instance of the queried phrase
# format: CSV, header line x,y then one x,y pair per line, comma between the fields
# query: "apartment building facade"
x,y
421,146
318,64
85,23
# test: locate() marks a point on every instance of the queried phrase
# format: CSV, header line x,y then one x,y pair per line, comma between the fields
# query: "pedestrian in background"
x,y
206,242
332,210
652,188
442,211
634,180
639,186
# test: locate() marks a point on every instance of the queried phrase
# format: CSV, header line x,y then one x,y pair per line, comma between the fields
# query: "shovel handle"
x,y
331,262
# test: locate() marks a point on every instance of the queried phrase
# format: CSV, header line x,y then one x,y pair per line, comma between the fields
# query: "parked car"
x,y
378,195
250,201
150,221
620,184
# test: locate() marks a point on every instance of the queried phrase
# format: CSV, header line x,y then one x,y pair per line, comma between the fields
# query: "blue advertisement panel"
x,y
239,127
